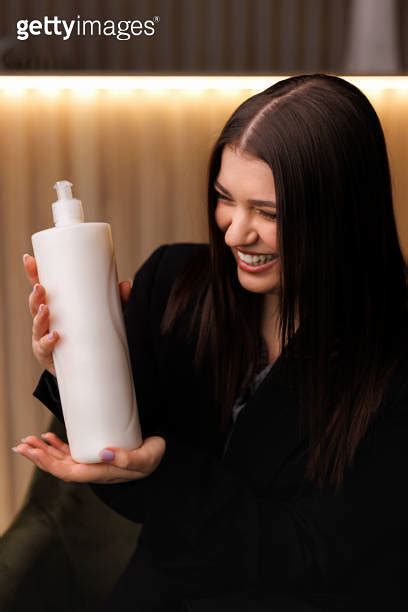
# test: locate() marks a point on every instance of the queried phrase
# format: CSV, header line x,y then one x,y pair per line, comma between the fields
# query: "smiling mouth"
x,y
258,259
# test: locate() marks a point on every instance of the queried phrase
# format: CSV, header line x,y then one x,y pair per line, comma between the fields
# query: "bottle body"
x,y
76,265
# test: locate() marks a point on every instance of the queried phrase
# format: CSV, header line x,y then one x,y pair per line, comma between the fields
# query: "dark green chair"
x,y
65,549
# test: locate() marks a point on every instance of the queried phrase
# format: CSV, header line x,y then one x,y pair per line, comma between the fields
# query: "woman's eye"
x,y
266,215
222,198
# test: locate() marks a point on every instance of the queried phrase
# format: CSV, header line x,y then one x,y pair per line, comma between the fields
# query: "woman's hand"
x,y
52,455
42,342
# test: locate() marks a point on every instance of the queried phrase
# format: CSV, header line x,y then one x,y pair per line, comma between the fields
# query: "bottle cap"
x,y
66,210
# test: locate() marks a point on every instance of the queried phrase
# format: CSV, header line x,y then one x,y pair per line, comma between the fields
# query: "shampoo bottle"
x,y
76,265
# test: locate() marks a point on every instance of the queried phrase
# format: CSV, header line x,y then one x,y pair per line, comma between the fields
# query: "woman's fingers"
x,y
30,267
144,459
120,465
36,298
46,459
65,468
43,343
56,442
125,287
34,442
44,347
40,322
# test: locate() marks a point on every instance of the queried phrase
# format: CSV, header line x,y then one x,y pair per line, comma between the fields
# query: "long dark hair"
x,y
342,271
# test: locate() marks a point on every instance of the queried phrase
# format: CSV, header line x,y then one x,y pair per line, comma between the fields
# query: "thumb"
x,y
144,459
125,288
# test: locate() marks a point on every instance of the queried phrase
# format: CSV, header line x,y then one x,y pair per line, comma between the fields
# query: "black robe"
x,y
245,530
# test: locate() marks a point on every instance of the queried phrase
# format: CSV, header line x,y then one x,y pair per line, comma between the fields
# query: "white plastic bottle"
x,y
76,266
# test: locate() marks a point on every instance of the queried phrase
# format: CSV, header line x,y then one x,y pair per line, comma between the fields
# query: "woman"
x,y
271,375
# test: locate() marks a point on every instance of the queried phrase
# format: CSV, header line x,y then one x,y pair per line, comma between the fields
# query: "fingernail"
x,y
36,288
51,336
23,440
107,455
25,257
130,281
15,449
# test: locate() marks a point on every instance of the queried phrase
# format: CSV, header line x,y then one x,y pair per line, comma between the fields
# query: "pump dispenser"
x,y
66,210
76,266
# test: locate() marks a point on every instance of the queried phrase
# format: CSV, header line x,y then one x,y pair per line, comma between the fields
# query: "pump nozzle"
x,y
63,189
66,210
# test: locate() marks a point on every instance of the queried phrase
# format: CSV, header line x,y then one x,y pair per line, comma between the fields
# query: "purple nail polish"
x,y
107,455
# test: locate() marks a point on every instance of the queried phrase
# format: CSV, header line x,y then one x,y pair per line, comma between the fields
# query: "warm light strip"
x,y
89,83
152,83
129,83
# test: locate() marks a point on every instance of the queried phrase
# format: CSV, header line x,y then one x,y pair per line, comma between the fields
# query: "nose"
x,y
240,231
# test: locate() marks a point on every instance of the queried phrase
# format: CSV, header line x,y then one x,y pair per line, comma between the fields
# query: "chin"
x,y
258,285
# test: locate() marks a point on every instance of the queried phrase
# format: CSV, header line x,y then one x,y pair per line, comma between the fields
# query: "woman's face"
x,y
246,213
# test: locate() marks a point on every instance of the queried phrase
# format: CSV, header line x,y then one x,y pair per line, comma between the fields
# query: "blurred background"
x,y
131,123
227,36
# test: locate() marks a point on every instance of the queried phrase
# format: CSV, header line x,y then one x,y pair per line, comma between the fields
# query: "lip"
x,y
251,252
256,269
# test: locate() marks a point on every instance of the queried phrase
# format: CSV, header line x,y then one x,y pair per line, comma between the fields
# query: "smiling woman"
x,y
272,395
249,229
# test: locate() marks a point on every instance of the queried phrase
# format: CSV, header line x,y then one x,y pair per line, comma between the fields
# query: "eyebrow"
x,y
268,203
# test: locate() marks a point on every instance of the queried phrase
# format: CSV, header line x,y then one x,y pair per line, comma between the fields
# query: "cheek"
x,y
222,217
268,234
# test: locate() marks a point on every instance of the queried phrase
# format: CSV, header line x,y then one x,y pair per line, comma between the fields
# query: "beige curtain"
x,y
138,160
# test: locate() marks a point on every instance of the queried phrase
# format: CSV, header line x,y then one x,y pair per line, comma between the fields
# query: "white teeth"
x,y
255,259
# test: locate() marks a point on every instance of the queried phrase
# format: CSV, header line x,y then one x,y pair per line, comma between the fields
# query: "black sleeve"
x,y
47,392
122,496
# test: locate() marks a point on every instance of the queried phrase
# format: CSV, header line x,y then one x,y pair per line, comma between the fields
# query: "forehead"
x,y
239,170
